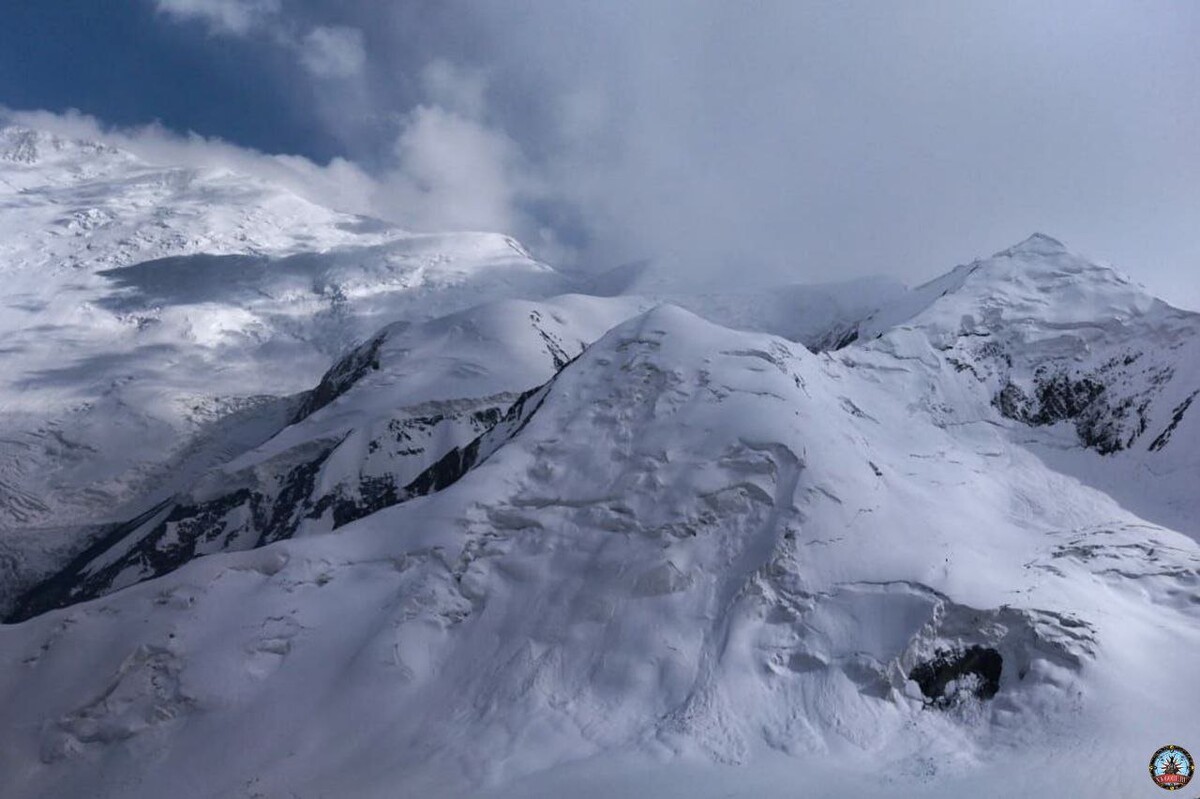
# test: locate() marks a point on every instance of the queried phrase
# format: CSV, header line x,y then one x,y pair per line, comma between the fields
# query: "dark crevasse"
x,y
980,666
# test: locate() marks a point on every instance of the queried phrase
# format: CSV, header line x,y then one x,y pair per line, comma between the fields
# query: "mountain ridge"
x,y
733,552
454,530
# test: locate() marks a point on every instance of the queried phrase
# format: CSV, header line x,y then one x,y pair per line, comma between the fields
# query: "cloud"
x,y
236,17
332,52
439,159
339,184
787,141
452,172
450,86
770,141
445,170
326,51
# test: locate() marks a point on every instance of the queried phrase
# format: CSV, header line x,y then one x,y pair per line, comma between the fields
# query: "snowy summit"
x,y
296,503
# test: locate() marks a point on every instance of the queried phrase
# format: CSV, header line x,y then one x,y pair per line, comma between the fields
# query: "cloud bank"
x,y
340,183
763,142
326,51
237,17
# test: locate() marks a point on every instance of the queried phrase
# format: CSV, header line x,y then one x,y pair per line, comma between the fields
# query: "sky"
x,y
726,143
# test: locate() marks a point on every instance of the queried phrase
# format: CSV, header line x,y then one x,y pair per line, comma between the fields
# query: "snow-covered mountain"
x,y
1081,358
373,432
156,321
933,541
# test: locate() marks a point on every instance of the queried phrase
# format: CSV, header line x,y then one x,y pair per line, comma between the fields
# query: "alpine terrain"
x,y
294,503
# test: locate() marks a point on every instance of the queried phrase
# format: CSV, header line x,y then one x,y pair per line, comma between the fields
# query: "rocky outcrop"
x,y
975,670
338,380
1108,409
272,502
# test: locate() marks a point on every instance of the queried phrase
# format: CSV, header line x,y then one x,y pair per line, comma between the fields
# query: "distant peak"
x,y
1037,244
25,145
18,144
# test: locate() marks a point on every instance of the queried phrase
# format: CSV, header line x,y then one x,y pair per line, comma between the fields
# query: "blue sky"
x,y
127,65
775,140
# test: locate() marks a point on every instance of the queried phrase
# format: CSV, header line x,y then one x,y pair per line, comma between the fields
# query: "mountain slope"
x,y
158,320
1087,370
700,542
298,504
376,431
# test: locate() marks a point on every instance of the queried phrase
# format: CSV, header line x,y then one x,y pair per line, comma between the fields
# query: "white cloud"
x,y
332,51
452,172
454,88
340,184
795,142
326,51
236,17
446,172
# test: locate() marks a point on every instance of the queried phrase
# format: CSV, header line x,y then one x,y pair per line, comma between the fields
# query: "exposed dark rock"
x,y
1059,398
1102,422
57,590
962,366
553,344
1012,402
977,667
835,339
1162,438
171,534
344,374
996,351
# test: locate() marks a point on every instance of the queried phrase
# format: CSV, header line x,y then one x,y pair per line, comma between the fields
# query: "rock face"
x,y
944,679
492,545
338,380
1079,357
283,499
181,309
679,494
369,451
1102,422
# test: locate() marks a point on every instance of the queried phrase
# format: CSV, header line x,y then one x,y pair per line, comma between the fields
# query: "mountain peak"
x,y
24,145
18,144
1036,244
1037,282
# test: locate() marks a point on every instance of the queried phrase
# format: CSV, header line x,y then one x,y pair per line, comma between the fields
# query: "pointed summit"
x,y
1037,244
1037,283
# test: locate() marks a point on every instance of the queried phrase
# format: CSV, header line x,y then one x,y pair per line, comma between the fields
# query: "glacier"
x,y
295,503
